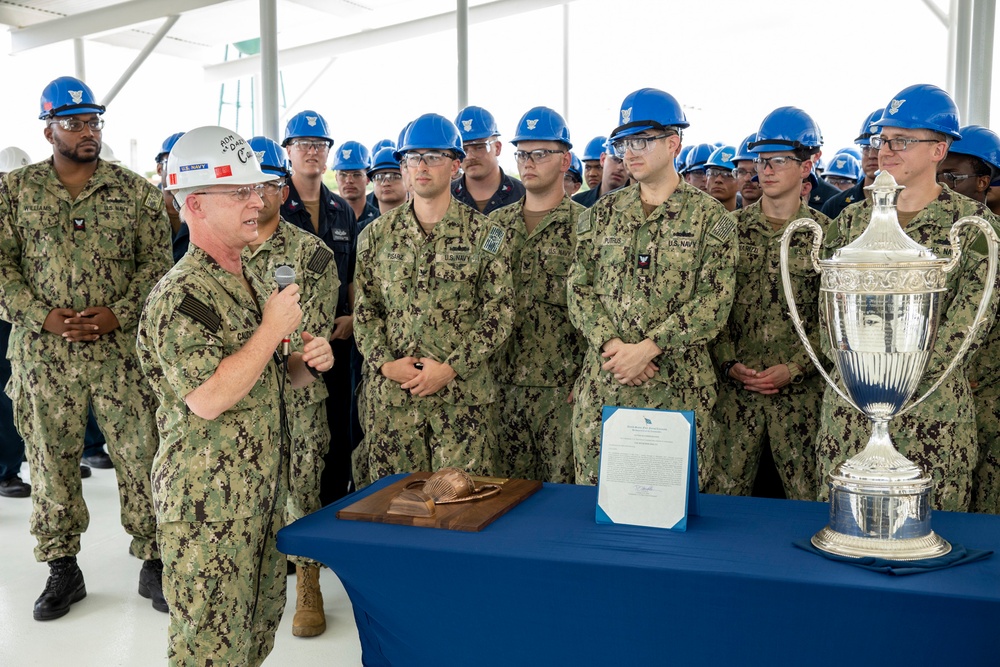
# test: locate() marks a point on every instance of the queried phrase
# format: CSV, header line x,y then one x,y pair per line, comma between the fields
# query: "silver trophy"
x,y
881,297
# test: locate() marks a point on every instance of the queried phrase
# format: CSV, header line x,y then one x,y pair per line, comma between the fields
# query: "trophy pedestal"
x,y
880,507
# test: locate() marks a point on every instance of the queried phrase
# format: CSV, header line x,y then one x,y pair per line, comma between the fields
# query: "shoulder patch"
x,y
583,222
724,228
320,259
494,239
153,200
200,312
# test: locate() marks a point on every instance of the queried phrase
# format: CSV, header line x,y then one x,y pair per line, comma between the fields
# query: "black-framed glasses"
x,y
638,145
952,178
899,144
536,156
76,125
430,158
243,193
305,145
712,172
775,162
740,172
387,177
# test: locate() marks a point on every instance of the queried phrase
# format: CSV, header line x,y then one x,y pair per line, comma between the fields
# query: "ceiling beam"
x,y
106,19
338,46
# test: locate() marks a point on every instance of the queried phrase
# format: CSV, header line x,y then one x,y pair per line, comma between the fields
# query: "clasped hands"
x,y
768,381
419,381
631,363
81,327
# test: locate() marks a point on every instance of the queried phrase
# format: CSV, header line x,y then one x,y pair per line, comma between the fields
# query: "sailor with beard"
x,y
82,242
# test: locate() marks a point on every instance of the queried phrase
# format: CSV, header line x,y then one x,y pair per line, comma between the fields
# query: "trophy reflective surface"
x,y
881,300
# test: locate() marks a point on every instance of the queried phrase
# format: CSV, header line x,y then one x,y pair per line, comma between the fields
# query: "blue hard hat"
x,y
722,158
979,142
867,130
383,143
541,124
697,157
168,143
922,107
306,124
681,158
272,157
66,96
350,156
647,109
402,135
476,123
850,150
786,129
743,150
384,158
845,165
594,149
575,167
431,131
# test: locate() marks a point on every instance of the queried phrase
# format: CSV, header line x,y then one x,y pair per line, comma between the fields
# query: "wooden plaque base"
x,y
470,516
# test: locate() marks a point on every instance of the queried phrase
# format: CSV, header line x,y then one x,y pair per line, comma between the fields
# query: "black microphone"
x,y
284,276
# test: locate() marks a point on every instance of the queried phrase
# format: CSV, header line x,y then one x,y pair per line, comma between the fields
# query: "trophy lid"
x,y
884,241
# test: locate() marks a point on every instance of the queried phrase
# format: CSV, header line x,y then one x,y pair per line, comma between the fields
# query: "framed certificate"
x,y
649,468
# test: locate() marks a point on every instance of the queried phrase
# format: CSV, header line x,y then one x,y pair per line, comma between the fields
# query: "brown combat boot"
x,y
309,619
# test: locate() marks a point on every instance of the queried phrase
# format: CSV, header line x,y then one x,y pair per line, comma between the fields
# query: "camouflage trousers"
x,y
788,420
595,389
50,410
224,582
426,434
535,434
986,481
310,442
947,449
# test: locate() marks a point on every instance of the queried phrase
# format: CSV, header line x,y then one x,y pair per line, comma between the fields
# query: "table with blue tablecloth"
x,y
546,585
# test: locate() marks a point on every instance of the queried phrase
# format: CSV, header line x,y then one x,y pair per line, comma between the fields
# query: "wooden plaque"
x,y
470,516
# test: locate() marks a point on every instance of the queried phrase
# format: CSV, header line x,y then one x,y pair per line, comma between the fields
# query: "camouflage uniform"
x,y
760,335
540,361
984,375
219,486
940,433
316,277
449,297
105,248
669,278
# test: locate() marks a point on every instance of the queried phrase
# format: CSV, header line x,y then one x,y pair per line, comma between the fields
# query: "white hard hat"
x,y
13,158
212,155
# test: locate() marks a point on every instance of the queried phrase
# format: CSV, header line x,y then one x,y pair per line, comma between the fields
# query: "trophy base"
x,y
914,548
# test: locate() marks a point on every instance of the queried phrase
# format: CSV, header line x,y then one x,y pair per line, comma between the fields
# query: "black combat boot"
x,y
151,583
64,587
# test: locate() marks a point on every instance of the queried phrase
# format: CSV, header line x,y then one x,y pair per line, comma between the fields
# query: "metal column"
x,y
462,27
269,68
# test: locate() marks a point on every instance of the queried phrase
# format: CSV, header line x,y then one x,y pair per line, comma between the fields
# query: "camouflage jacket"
x,y
964,283
208,470
544,349
316,276
106,248
448,297
760,332
668,277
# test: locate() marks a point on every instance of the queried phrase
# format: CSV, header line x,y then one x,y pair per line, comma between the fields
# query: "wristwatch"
x,y
796,372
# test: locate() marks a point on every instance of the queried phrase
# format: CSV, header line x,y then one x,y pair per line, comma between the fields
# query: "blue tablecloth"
x,y
546,585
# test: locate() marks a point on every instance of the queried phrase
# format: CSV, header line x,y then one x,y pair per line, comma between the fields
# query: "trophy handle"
x,y
984,303
786,281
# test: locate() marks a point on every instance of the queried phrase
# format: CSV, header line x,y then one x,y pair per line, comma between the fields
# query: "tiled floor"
x,y
114,626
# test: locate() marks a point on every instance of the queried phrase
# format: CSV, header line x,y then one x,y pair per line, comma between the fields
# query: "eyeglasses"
x,y
898,144
430,158
76,125
387,177
354,175
952,178
638,145
713,172
306,146
243,193
840,180
483,147
776,162
536,156
742,173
